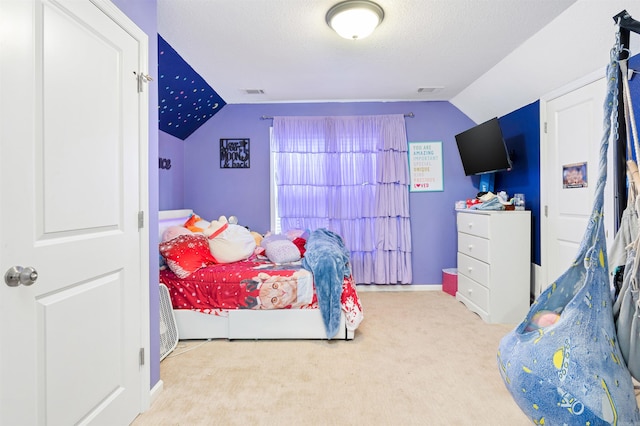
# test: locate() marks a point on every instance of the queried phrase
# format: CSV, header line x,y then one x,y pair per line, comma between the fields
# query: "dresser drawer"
x,y
474,246
474,269
473,291
474,224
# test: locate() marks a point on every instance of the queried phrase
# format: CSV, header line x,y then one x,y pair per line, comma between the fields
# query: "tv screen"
x,y
482,149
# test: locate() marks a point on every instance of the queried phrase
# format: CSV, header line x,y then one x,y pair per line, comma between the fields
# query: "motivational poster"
x,y
426,166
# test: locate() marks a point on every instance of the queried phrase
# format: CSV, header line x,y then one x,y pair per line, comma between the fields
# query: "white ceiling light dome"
x,y
355,19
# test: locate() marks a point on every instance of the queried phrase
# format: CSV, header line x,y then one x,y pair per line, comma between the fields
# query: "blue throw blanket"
x,y
328,259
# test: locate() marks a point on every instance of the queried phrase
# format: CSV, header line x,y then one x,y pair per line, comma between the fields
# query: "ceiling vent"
x,y
430,89
254,91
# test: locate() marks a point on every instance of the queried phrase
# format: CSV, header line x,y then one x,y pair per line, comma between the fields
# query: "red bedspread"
x,y
254,285
241,285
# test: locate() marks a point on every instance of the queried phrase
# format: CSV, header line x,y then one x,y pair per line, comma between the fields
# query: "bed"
x,y
222,300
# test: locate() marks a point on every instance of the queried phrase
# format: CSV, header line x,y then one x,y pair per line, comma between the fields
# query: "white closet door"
x,y
574,130
69,184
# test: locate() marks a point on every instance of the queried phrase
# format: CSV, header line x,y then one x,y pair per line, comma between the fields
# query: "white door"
x,y
69,187
571,142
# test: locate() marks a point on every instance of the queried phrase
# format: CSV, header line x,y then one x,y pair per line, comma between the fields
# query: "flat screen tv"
x,y
482,149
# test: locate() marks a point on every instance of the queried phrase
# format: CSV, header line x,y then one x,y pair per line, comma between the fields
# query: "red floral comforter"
x,y
254,285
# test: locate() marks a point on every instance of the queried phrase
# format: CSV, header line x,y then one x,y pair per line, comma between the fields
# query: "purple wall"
x,y
212,191
144,14
171,149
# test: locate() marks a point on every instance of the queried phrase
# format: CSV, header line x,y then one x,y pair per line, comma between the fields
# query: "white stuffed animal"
x,y
229,242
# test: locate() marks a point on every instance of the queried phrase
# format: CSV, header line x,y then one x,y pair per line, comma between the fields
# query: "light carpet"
x,y
418,358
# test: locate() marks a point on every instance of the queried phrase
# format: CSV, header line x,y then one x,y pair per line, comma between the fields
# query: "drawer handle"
x,y
470,224
470,291
470,269
470,247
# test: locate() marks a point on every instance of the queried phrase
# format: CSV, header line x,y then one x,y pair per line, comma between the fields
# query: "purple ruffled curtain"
x,y
351,176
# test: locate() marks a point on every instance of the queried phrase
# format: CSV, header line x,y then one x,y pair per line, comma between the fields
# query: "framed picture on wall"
x,y
234,153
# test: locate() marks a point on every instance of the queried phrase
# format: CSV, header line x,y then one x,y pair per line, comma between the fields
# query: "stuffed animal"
x,y
229,242
257,237
196,224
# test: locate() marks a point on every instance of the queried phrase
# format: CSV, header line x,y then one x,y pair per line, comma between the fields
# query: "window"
x,y
349,175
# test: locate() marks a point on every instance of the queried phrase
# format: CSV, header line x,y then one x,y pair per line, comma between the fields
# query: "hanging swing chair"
x,y
572,371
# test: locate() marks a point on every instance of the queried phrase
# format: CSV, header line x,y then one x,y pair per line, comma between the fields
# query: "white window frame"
x,y
273,195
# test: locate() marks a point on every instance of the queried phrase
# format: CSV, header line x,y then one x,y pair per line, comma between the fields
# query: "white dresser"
x,y
494,264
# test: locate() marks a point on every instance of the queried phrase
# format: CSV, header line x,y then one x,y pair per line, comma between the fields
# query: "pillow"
x,y
292,234
281,251
185,254
272,237
173,231
196,224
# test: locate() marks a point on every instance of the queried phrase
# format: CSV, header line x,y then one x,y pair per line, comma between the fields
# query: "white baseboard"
x,y
398,287
155,392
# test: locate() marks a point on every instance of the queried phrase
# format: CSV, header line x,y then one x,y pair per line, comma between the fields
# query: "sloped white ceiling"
x,y
571,48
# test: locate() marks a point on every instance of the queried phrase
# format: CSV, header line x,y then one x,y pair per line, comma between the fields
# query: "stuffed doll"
x,y
196,224
229,242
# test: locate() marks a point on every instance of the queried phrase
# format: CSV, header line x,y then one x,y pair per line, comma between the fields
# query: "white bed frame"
x,y
247,323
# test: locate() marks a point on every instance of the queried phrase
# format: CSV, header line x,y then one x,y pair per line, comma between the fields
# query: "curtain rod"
x,y
268,117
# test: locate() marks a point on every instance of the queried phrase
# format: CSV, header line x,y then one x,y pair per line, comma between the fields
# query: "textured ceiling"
x,y
285,48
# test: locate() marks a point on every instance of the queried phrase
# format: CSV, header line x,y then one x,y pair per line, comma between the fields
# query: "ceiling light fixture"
x,y
355,19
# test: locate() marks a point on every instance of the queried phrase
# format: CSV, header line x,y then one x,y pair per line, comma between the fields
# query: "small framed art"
x,y
575,175
234,153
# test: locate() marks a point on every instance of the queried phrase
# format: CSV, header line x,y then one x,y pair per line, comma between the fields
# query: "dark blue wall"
x,y
521,131
634,87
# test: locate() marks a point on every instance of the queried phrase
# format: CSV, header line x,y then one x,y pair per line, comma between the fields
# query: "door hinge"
x,y
545,127
546,211
141,356
142,79
140,219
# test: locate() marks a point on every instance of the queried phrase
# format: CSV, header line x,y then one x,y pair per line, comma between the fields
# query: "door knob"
x,y
17,275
